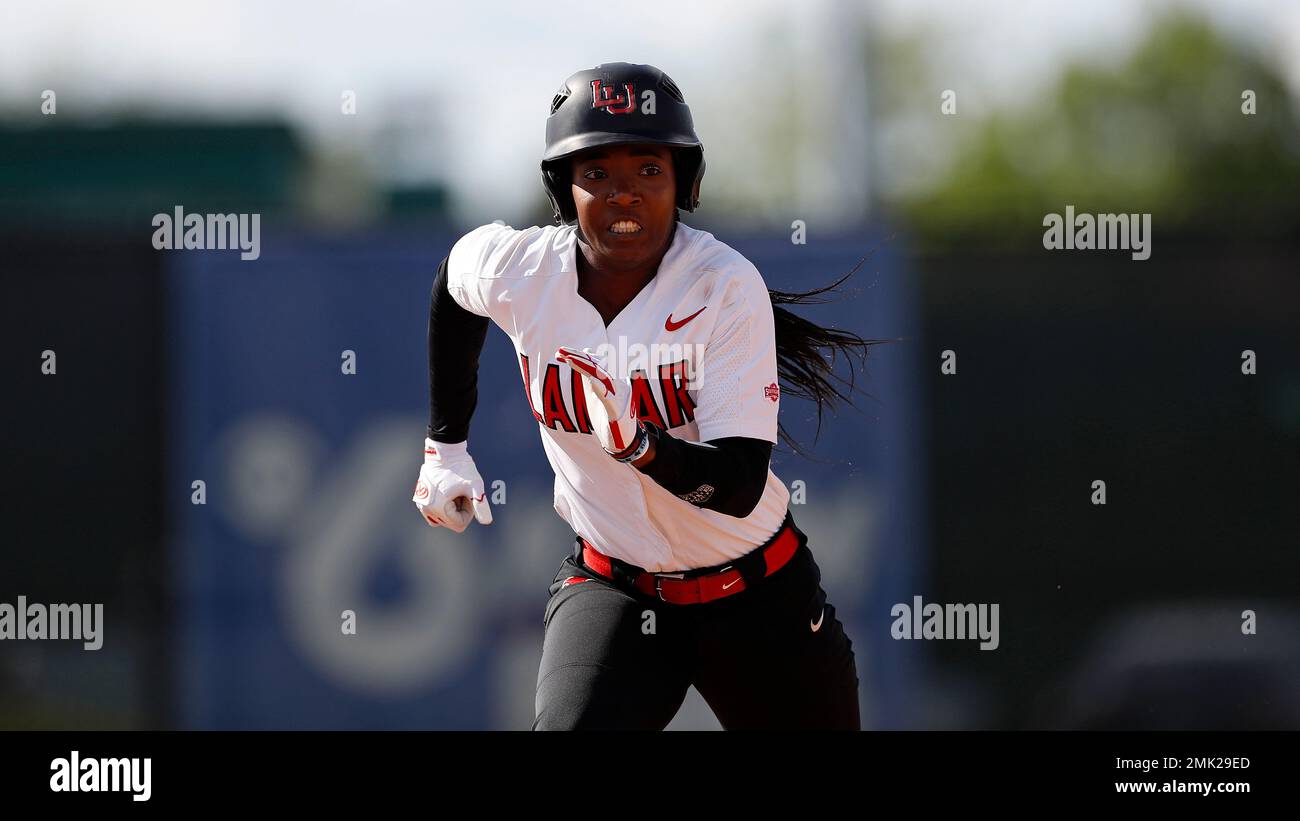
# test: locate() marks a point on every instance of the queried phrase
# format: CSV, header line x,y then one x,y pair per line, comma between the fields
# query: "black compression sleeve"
x,y
728,477
456,338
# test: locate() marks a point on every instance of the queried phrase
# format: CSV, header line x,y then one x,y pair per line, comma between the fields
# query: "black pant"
x,y
614,658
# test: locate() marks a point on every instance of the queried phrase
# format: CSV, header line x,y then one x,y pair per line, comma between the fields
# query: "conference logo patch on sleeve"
x,y
698,496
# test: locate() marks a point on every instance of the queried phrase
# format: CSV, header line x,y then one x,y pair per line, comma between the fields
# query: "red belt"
x,y
676,589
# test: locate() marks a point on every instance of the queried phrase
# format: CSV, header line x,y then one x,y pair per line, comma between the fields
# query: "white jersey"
x,y
703,333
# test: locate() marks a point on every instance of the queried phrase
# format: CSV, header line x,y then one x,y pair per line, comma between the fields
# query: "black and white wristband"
x,y
637,448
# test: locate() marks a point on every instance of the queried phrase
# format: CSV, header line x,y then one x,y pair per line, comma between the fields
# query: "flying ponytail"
x,y
802,366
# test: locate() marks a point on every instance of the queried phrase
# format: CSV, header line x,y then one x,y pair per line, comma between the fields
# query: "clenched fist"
x,y
450,491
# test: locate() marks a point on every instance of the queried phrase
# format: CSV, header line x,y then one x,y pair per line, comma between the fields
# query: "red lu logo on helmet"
x,y
603,96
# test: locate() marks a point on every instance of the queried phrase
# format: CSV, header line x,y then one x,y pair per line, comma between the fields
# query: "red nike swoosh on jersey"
x,y
669,325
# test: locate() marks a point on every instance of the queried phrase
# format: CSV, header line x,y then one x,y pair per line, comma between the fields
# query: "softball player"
x,y
649,353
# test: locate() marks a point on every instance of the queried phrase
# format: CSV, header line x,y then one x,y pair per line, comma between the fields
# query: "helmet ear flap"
x,y
695,184
555,178
689,166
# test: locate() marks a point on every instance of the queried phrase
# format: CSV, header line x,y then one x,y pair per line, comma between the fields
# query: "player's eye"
x,y
650,169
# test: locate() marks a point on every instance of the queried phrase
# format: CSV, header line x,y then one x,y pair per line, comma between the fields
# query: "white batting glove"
x,y
612,419
449,492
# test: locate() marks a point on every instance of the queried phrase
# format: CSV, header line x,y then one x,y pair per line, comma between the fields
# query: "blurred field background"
x,y
1073,365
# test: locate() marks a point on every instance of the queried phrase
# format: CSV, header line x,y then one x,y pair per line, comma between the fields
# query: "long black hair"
x,y
803,369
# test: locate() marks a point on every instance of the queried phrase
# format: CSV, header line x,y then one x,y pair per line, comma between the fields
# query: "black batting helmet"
x,y
619,103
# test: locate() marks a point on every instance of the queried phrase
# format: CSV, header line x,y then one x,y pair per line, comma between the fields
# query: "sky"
x,y
459,91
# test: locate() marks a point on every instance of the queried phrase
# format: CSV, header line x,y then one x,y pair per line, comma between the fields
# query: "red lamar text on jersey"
x,y
666,401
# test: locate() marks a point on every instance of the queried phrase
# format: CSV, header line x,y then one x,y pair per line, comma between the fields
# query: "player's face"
x,y
625,197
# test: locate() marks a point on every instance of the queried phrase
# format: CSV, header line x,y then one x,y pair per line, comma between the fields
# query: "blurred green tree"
x,y
1162,133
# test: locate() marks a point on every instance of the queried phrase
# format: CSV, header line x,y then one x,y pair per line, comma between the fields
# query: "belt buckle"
x,y
659,580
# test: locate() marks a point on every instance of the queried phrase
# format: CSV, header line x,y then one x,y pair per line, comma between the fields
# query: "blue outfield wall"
x,y
308,471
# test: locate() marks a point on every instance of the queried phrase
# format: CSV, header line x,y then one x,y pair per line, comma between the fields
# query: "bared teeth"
x,y
625,227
